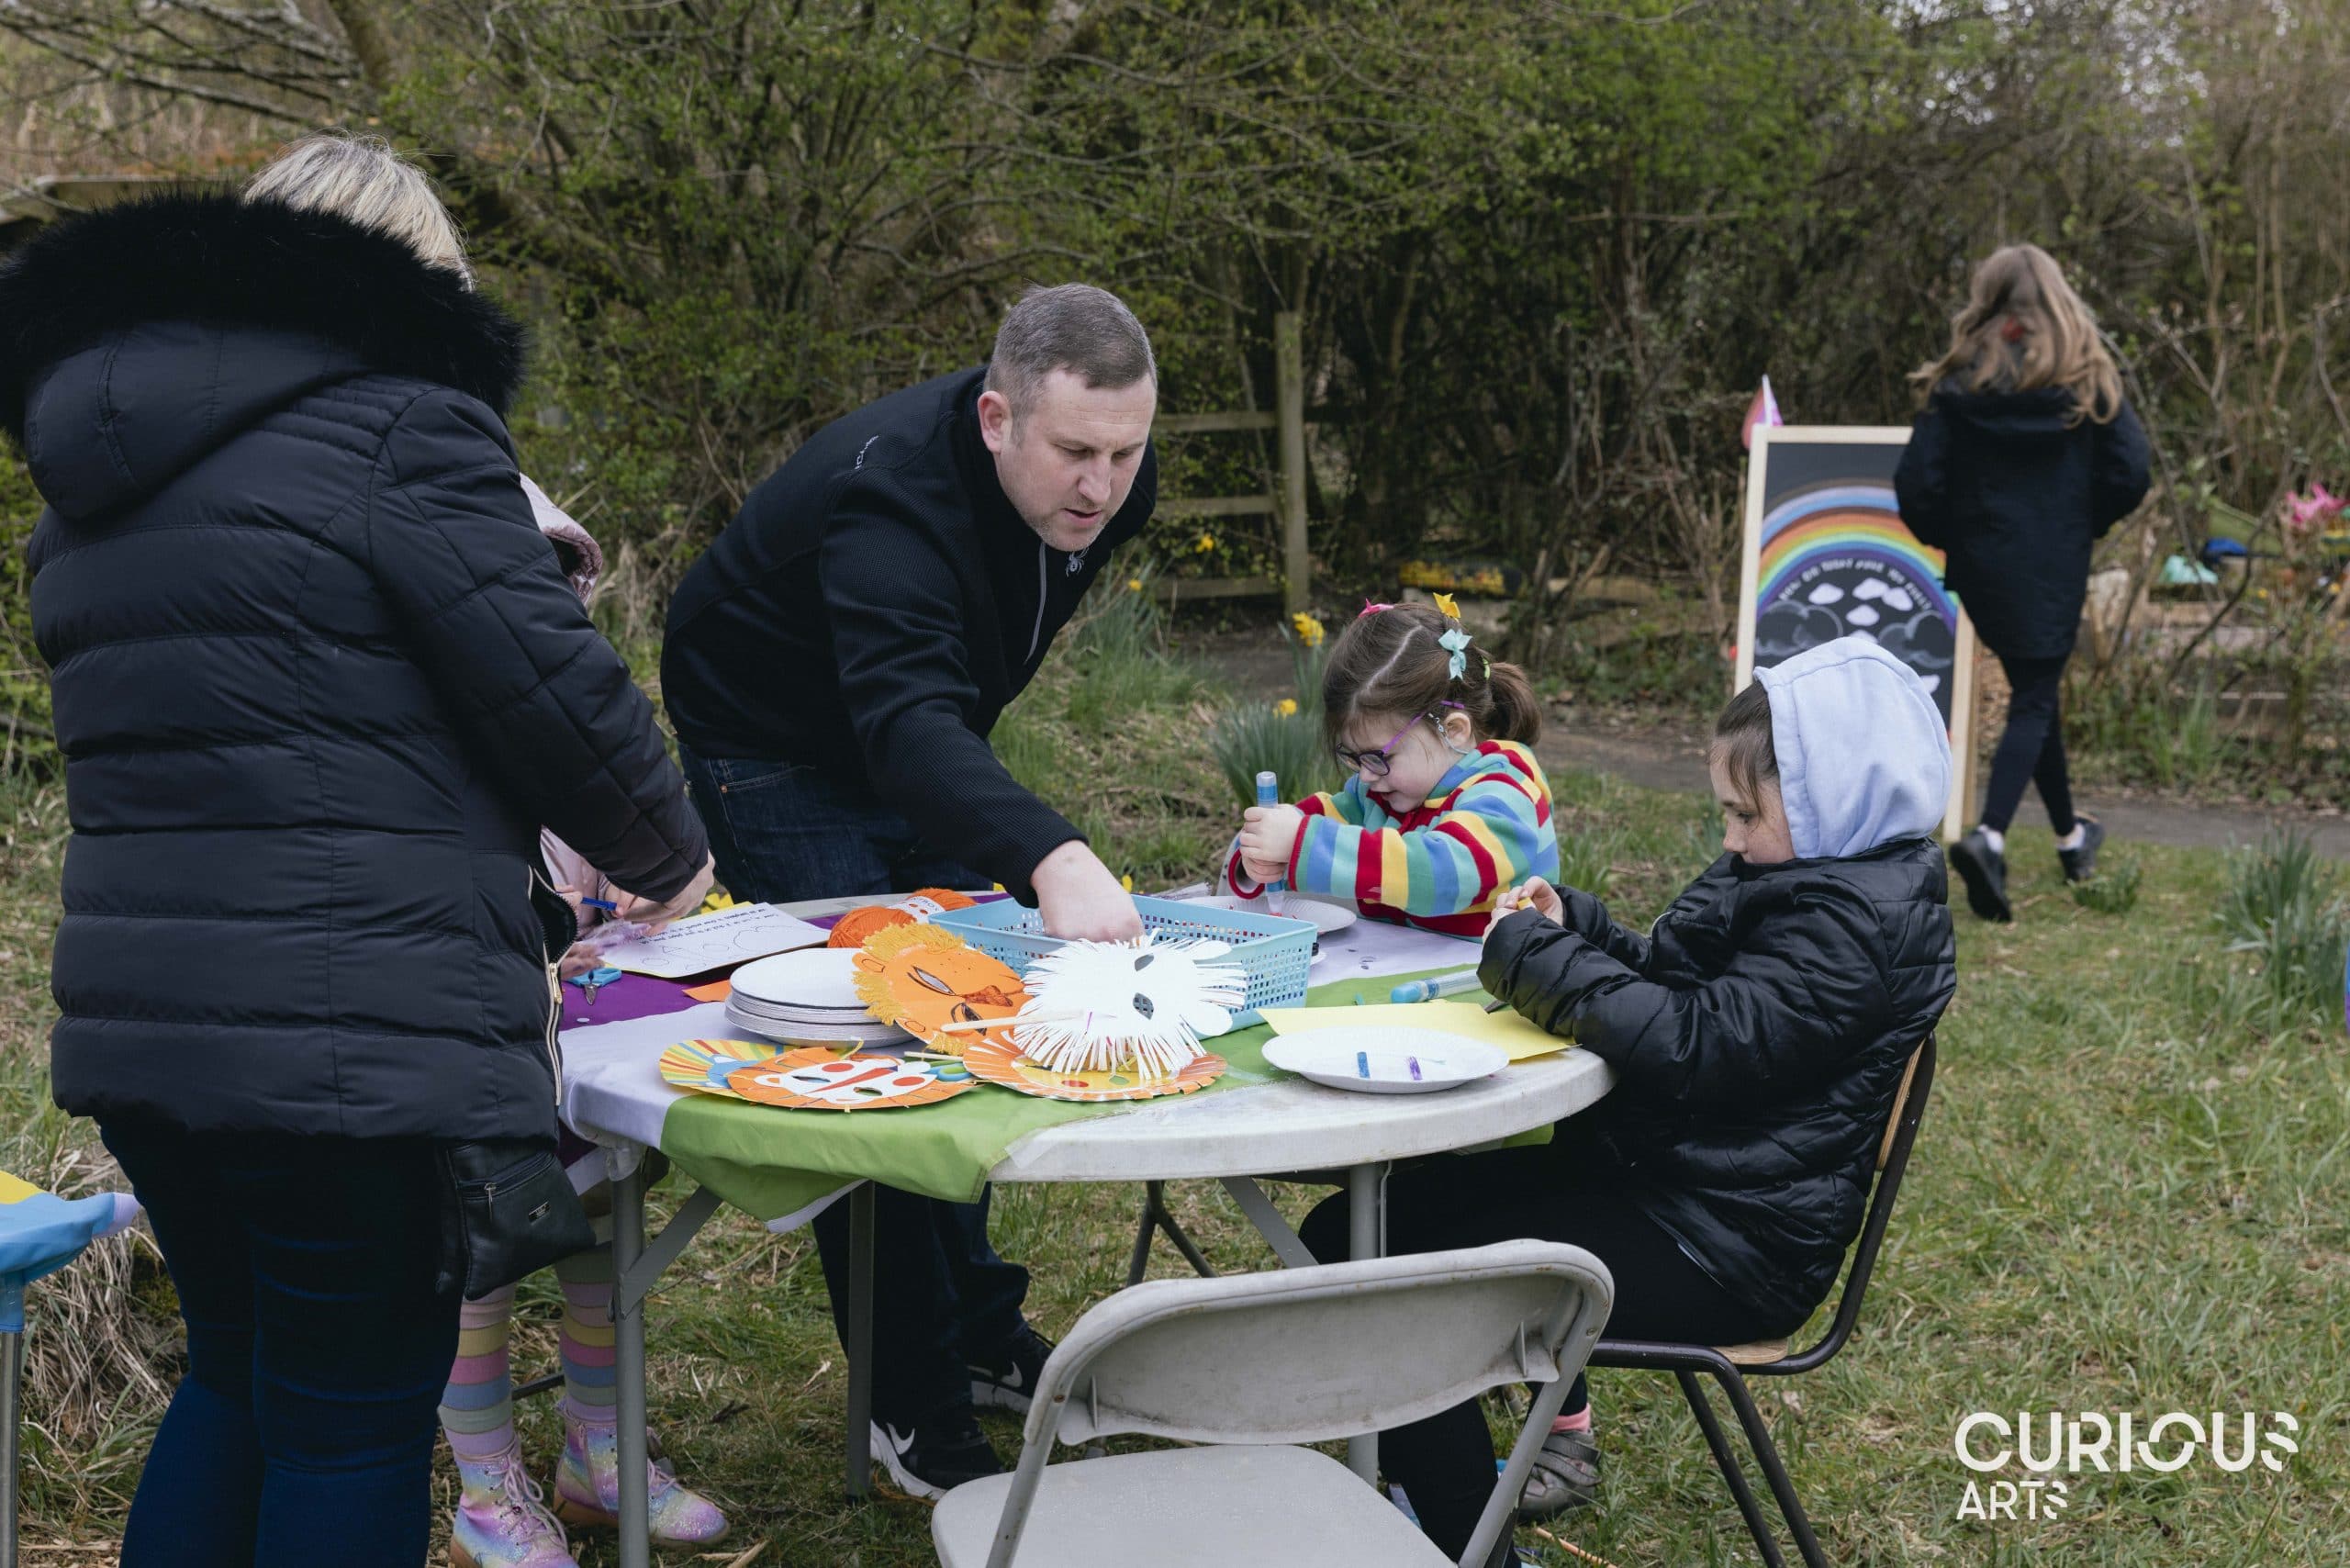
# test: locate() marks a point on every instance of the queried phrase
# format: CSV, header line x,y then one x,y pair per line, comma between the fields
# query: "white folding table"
x,y
1235,1136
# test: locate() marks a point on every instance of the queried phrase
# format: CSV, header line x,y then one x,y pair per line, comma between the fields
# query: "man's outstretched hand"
x,y
1080,899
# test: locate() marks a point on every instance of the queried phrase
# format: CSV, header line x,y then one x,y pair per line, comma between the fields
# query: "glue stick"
x,y
1269,793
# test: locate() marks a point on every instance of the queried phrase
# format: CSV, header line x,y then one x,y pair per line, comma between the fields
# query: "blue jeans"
x,y
942,1296
317,1349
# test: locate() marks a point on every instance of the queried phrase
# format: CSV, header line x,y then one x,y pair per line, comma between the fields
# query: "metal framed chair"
x,y
1250,1364
1731,1365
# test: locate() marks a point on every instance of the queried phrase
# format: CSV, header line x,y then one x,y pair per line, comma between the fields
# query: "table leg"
x,y
627,1357
859,1346
12,1352
1366,1237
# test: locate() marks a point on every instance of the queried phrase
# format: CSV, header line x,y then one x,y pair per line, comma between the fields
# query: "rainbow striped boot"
x,y
502,1519
587,1488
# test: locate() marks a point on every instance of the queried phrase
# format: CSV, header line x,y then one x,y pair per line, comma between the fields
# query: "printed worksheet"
x,y
720,940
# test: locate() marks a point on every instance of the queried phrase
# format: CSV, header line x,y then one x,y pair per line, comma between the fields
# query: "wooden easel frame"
x,y
1961,688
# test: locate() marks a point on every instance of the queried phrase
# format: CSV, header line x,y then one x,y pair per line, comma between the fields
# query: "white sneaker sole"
x,y
886,1455
995,1396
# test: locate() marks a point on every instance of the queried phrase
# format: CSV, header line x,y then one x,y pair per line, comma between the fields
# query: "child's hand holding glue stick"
x,y
1269,832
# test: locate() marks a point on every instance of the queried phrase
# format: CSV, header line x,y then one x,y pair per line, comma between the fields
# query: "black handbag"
x,y
508,1210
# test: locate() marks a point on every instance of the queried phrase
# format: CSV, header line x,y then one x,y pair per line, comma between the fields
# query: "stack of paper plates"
x,y
807,995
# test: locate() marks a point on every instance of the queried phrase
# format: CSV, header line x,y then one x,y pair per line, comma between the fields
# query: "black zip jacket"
x,y
1759,1033
2019,497
873,609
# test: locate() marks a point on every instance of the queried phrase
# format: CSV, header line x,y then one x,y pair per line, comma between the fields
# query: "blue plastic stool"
x,y
40,1234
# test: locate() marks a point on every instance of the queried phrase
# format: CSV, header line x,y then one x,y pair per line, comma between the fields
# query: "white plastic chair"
x,y
1296,1356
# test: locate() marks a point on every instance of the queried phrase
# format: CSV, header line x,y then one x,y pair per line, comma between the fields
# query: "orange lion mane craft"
x,y
859,924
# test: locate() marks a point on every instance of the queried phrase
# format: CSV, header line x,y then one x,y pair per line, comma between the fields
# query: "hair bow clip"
x,y
1446,608
1371,607
1456,642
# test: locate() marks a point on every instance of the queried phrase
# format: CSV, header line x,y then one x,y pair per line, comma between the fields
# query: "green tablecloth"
x,y
770,1163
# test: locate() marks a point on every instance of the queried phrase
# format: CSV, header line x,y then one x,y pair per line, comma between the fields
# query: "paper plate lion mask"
x,y
921,979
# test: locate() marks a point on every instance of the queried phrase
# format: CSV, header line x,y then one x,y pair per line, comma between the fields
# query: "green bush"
x,y
1587,860
1258,737
1283,738
2285,904
2113,890
2135,723
1117,648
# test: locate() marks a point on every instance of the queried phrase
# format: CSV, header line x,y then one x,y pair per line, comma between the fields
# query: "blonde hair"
x,y
362,180
2024,327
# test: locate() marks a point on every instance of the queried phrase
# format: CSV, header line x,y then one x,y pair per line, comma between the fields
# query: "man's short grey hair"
x,y
1075,327
362,180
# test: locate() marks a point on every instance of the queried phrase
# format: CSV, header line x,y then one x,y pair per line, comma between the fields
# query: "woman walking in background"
x,y
318,683
2024,456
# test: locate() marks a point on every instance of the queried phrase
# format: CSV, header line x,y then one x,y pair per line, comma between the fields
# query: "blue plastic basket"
x,y
1273,952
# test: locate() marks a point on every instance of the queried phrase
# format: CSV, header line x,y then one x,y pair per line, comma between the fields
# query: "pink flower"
x,y
2304,512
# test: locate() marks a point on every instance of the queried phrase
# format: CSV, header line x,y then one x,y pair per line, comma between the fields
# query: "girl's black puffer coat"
x,y
317,681
2018,489
1759,1033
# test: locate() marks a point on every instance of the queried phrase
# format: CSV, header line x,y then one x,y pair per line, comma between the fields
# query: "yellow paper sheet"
x,y
1505,1029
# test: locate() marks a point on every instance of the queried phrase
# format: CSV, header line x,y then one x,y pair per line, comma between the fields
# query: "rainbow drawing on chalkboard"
x,y
1826,556
1836,560
1847,520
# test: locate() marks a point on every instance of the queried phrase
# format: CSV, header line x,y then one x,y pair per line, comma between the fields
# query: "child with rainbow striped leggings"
x,y
503,1520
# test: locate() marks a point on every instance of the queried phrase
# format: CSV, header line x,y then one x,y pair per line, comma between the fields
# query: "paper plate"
x,y
814,1079
703,1065
813,977
994,1061
788,1033
1324,917
1387,1060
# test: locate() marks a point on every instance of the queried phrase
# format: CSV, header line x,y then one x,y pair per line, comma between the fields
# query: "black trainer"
x,y
2080,864
932,1459
1005,1380
1985,871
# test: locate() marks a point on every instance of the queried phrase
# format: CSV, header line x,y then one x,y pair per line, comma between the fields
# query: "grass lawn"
x,y
2131,1194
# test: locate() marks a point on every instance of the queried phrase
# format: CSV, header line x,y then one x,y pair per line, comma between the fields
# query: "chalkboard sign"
x,y
1827,557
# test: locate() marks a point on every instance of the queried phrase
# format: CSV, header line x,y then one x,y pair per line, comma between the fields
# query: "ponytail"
x,y
1516,711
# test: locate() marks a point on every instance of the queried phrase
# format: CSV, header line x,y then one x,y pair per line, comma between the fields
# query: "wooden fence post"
x,y
1289,401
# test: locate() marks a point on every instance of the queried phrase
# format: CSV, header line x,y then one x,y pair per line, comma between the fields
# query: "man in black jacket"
x,y
833,666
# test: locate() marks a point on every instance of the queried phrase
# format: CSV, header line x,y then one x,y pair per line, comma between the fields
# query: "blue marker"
x,y
607,905
1269,793
1429,989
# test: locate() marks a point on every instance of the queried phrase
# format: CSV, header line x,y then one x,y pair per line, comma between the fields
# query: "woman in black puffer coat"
x,y
1759,1033
319,682
2025,455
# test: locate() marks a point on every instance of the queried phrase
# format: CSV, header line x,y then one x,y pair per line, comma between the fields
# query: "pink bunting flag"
x,y
1764,410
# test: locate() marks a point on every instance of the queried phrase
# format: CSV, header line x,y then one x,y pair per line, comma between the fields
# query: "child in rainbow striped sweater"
x,y
1447,806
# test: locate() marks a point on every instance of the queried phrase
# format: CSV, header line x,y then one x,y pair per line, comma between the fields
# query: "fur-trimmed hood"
x,y
184,275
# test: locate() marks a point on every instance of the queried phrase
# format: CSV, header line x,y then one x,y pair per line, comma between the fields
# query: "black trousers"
x,y
1552,1193
2031,748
